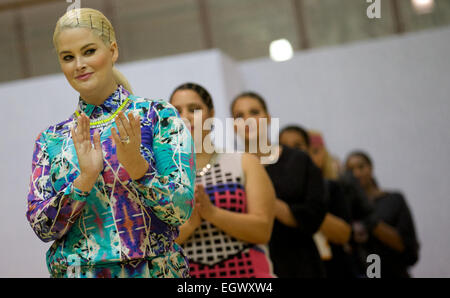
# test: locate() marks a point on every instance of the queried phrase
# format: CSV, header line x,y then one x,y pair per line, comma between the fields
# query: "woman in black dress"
x,y
394,237
300,205
335,231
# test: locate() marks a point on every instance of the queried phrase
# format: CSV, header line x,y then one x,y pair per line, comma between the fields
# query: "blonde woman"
x,y
336,228
111,184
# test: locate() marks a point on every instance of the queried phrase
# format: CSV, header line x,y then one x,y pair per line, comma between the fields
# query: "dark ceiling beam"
x,y
299,16
110,11
205,23
19,32
399,25
23,3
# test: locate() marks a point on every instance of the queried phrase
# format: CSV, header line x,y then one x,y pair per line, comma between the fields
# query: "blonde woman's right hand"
x,y
90,159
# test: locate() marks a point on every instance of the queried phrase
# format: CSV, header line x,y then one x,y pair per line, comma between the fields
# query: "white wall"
x,y
31,105
389,97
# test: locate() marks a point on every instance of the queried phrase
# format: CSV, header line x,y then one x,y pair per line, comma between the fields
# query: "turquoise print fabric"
x,y
123,227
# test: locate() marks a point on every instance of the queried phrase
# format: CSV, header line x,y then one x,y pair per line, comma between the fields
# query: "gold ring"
x,y
125,140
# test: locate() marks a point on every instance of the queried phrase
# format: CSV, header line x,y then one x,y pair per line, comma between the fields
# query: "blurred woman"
x,y
234,201
335,230
300,205
394,237
295,136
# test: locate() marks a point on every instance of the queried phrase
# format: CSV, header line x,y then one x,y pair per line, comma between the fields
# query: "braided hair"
x,y
201,91
95,21
250,94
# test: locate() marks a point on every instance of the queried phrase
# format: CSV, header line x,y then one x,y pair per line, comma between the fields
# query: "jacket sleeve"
x,y
338,204
168,185
360,208
311,211
405,227
51,213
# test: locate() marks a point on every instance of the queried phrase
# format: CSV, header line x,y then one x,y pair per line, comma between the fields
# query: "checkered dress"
x,y
213,253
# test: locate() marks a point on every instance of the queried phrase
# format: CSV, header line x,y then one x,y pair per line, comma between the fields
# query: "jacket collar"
x,y
108,107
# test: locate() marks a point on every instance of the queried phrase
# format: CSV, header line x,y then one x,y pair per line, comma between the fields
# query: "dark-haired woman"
x,y
295,136
335,231
300,205
394,237
234,201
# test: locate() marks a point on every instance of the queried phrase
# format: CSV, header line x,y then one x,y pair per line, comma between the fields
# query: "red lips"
x,y
84,77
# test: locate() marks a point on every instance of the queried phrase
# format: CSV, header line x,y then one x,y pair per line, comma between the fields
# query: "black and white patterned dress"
x,y
212,252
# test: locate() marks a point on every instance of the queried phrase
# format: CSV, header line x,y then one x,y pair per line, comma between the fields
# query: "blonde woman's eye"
x,y
67,57
90,52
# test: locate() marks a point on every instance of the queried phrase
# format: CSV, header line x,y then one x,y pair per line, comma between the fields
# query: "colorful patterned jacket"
x,y
121,219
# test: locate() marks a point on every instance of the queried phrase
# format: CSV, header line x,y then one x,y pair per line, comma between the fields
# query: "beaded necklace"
x,y
206,168
105,120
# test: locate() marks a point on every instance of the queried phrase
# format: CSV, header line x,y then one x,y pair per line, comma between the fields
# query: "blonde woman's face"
x,y
85,60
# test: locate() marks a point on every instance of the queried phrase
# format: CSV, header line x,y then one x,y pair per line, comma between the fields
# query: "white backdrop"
x,y
389,96
31,105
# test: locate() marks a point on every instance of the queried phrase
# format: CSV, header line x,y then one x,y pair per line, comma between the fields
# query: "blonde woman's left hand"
x,y
128,143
